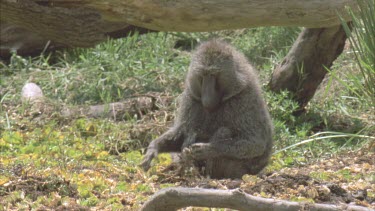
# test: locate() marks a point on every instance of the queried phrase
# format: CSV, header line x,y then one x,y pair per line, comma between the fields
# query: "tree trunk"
x,y
303,69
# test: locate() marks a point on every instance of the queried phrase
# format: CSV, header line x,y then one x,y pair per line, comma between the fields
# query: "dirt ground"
x,y
347,178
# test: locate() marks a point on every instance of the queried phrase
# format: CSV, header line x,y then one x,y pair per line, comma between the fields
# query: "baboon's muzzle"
x,y
211,96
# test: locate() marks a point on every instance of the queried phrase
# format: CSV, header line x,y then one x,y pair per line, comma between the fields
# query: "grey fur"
x,y
232,136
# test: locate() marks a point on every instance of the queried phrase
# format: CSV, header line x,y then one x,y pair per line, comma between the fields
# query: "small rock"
x,y
31,92
360,195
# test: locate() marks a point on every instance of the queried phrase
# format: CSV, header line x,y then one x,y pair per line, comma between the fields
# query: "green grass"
x,y
94,161
361,37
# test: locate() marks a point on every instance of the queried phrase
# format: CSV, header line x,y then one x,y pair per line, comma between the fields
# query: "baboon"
x,y
222,121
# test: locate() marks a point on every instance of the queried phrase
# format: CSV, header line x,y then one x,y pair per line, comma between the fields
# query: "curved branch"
x,y
175,198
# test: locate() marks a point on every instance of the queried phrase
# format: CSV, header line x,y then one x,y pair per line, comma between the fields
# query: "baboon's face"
x,y
213,84
207,89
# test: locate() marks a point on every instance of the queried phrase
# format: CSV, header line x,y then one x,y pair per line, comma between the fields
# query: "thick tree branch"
x,y
208,15
76,26
86,22
171,199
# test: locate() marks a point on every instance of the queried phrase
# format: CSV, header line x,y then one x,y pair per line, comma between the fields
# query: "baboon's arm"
x,y
170,141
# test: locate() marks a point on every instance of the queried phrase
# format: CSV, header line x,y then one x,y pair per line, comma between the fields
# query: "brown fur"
x,y
235,137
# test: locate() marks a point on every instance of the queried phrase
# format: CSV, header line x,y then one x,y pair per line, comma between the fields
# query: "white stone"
x,y
31,92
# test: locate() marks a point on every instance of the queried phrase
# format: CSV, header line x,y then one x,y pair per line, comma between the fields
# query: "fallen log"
x,y
115,111
138,105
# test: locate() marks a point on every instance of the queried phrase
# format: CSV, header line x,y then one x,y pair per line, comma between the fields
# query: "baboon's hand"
x,y
199,151
150,154
186,154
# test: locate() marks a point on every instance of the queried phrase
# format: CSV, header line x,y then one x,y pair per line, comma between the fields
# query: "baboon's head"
x,y
217,72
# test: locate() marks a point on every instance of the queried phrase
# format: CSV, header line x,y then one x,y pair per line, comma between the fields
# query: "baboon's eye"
x,y
217,84
200,80
220,82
